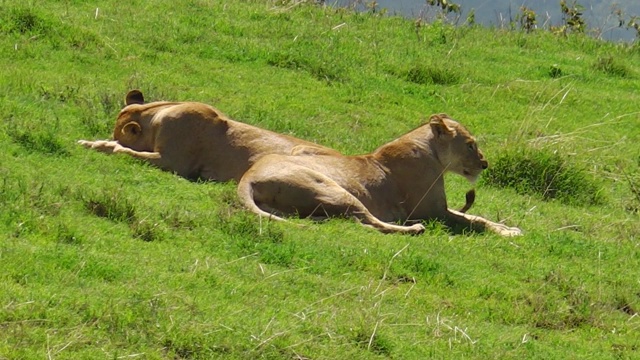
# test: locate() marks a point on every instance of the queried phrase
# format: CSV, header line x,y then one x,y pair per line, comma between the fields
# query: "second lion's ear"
x,y
131,129
438,126
134,97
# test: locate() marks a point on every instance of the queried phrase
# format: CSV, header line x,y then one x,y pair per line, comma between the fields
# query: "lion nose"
x,y
484,163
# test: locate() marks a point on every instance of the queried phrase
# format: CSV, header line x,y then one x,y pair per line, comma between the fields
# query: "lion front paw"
x,y
505,230
85,143
416,229
104,146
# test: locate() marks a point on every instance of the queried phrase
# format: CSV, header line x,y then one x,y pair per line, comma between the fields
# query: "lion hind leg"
x,y
247,198
334,200
308,193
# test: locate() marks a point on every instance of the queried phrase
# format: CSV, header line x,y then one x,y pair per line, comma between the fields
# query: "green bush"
x,y
432,74
318,67
544,173
23,21
110,205
610,66
45,142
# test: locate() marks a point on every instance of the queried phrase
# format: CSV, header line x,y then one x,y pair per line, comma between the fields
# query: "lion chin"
x,y
471,177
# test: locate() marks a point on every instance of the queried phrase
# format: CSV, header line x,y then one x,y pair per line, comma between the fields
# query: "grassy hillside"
x,y
106,257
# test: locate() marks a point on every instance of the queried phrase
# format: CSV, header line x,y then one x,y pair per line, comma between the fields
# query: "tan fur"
x,y
193,139
400,181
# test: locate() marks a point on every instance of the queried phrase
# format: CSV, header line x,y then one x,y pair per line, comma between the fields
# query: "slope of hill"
x,y
107,257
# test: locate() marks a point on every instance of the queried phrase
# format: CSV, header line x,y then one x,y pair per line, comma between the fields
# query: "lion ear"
x,y
134,97
131,129
438,126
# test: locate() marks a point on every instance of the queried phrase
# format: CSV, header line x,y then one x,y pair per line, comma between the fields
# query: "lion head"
x,y
457,149
133,126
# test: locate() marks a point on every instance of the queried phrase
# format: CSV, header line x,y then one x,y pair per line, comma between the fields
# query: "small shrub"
x,y
633,205
44,142
147,231
572,16
471,17
321,70
179,219
610,66
446,6
189,345
623,304
65,94
65,235
30,22
432,74
631,22
111,206
23,21
555,71
527,19
375,343
286,61
543,173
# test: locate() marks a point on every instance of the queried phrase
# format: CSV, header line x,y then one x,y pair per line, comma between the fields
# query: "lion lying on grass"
x,y
400,181
192,139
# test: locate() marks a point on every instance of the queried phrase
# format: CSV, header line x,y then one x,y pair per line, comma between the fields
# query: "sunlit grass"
x,y
106,257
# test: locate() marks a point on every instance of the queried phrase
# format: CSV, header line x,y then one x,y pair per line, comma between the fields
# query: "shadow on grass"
x,y
44,142
115,207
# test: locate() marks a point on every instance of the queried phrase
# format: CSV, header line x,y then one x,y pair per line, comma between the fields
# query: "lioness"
x,y
400,181
192,139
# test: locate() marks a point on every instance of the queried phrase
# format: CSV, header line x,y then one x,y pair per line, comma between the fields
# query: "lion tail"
x,y
470,199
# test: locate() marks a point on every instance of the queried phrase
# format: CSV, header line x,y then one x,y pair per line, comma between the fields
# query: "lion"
x,y
194,140
401,181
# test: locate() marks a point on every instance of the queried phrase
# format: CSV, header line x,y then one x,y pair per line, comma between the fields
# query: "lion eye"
x,y
471,147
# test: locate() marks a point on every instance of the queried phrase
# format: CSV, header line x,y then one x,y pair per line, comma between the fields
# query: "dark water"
x,y
598,14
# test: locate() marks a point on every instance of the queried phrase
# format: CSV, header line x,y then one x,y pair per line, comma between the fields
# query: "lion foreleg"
x,y
105,146
113,147
152,156
477,223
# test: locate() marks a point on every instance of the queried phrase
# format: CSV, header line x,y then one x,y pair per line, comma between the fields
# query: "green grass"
x,y
107,257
